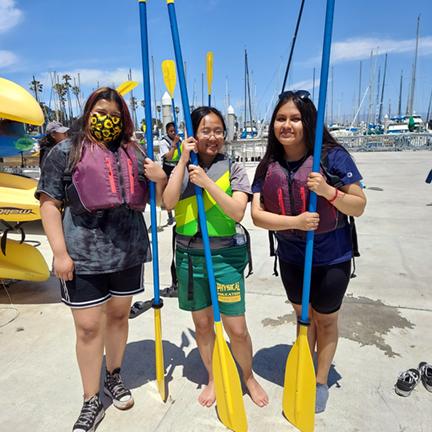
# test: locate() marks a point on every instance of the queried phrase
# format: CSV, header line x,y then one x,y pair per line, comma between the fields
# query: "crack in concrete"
x,y
359,324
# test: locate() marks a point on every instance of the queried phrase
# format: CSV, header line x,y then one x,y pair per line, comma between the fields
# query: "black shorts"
x,y
328,285
92,290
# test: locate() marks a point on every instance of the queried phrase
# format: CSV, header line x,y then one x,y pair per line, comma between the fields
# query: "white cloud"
x,y
360,48
304,85
91,77
10,15
7,58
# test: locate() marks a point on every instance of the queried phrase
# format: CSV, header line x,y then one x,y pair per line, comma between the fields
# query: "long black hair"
x,y
275,151
199,113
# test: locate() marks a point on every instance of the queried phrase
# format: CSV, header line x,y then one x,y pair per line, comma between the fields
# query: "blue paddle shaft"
x,y
194,160
149,139
209,100
175,123
325,61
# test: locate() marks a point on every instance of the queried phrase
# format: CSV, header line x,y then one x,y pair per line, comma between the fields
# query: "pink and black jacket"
x,y
103,179
286,193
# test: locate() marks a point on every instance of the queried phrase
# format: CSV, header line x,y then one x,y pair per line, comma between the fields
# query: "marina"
x,y
142,291
384,329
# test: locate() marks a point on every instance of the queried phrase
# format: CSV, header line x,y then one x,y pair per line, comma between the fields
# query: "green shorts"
x,y
228,265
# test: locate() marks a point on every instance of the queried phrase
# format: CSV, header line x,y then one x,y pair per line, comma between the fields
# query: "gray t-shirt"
x,y
240,183
113,240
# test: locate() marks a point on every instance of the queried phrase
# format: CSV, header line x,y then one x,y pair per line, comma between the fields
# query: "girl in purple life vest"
x,y
281,188
100,177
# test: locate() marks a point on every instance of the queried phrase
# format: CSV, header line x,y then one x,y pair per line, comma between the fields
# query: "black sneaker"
x,y
91,415
407,381
426,375
171,291
116,390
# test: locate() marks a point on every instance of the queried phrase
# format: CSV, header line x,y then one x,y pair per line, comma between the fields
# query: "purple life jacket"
x,y
103,179
287,194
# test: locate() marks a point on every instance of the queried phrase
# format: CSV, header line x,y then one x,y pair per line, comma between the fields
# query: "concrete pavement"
x,y
384,328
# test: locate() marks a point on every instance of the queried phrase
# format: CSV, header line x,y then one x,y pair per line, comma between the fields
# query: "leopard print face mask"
x,y
105,128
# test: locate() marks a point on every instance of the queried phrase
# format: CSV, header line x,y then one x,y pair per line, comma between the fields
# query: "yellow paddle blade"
x,y
160,368
209,64
16,103
229,396
169,76
300,385
126,87
22,262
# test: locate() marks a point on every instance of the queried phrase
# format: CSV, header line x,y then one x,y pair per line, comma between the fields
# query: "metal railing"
x,y
251,151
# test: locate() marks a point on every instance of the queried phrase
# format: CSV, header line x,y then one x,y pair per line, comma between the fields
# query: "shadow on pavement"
x,y
139,363
26,292
269,363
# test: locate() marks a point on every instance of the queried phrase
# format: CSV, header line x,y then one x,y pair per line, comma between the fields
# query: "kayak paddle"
x,y
157,302
126,86
229,397
300,381
170,80
209,66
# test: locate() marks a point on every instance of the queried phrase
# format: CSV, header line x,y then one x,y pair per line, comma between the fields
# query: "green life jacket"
x,y
186,210
176,155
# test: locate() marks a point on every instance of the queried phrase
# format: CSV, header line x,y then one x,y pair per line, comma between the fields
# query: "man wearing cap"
x,y
54,133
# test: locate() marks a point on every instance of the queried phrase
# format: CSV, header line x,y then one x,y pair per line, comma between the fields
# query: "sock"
x,y
322,394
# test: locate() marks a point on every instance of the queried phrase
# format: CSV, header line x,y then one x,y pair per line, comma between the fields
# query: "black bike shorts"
x,y
95,289
328,285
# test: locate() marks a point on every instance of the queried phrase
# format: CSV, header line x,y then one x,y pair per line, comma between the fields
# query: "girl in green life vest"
x,y
226,191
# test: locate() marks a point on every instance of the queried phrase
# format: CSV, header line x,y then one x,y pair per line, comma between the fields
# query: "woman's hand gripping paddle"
x,y
170,80
126,86
209,68
229,397
300,381
157,302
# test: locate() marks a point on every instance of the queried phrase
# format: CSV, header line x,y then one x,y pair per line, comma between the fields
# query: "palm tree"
x,y
37,87
77,91
61,92
66,78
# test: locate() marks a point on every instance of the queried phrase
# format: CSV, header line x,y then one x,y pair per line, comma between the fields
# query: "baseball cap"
x,y
55,126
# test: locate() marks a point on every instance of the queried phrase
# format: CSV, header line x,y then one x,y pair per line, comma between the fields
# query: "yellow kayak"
x,y
17,201
22,262
16,103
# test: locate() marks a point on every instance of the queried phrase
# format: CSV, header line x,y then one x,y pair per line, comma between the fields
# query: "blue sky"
x,y
100,39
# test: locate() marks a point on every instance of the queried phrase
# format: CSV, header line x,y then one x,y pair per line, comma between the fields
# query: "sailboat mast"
x,y
245,94
154,88
377,99
360,83
249,92
202,88
371,81
413,79
313,85
332,96
400,95
382,90
133,103
429,110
